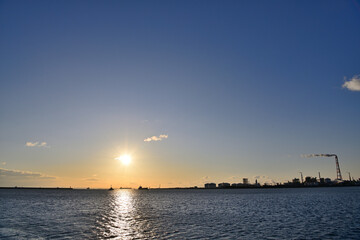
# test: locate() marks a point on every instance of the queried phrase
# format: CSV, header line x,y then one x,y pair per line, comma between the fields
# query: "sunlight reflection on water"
x,y
121,222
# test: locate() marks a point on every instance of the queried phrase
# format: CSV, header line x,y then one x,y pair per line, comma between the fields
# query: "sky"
x,y
194,91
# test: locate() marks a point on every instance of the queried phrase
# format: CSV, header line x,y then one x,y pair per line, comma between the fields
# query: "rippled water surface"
x,y
317,213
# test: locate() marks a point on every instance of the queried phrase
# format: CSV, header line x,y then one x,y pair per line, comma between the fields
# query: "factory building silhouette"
x,y
308,182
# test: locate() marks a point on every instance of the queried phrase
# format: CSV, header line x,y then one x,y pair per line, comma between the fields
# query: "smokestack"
x,y
349,176
302,178
338,172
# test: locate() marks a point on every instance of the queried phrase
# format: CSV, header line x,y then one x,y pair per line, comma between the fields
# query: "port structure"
x,y
338,172
302,178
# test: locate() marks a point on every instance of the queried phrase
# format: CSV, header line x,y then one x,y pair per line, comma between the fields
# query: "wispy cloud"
x,y
205,179
36,144
156,138
3,163
353,84
23,174
91,179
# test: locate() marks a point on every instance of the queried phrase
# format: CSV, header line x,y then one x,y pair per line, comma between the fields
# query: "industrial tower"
x,y
338,172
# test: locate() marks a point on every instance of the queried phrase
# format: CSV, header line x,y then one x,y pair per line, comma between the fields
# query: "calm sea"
x,y
316,213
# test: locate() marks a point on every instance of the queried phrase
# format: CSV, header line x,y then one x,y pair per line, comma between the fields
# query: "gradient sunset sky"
x,y
195,91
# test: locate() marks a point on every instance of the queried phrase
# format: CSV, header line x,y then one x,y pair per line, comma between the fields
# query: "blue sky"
x,y
241,88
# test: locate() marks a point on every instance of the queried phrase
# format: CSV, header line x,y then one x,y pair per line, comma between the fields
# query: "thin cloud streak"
x,y
155,138
353,84
91,179
24,174
36,144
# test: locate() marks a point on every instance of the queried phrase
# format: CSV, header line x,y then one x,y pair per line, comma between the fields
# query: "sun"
x,y
125,159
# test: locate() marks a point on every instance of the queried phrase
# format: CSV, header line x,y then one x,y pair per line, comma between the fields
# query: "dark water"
x,y
319,213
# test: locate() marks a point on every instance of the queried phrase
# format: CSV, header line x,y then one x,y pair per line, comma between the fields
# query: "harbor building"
x,y
210,185
224,185
245,181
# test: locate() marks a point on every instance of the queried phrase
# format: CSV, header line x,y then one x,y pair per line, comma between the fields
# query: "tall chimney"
x,y
338,172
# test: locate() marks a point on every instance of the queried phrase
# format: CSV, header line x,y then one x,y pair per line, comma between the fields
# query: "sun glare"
x,y
125,159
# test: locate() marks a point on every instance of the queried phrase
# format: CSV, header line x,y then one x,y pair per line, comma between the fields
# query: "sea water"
x,y
303,213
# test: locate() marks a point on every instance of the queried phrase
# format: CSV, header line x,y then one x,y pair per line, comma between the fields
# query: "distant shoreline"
x,y
251,187
43,188
179,188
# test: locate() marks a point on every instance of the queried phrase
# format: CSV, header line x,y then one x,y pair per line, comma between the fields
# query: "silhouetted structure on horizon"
x,y
210,185
309,182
